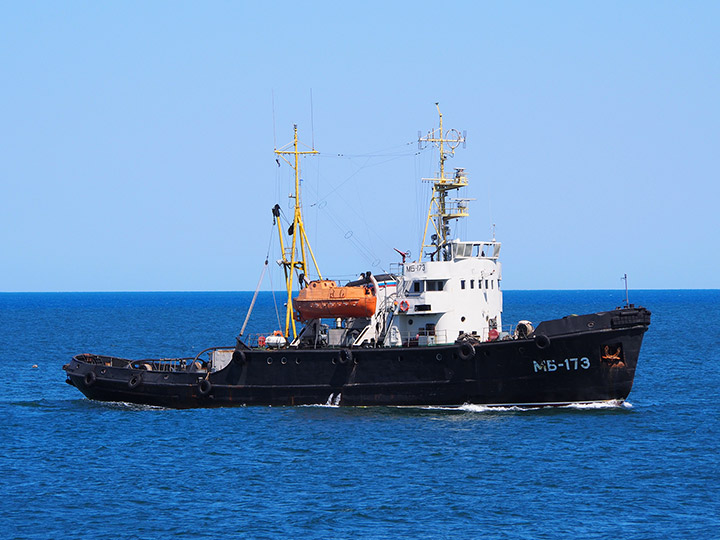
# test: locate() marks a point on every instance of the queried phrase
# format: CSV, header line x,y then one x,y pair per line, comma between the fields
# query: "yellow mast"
x,y
295,259
440,212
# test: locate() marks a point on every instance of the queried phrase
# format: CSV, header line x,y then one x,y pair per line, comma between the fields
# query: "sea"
x,y
75,468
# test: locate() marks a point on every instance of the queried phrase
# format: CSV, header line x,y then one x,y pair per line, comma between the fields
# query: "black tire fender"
x,y
466,351
90,378
135,381
204,387
345,356
542,341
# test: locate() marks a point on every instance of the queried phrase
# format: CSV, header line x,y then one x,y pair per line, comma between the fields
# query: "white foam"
x,y
473,408
132,406
333,402
487,408
468,407
612,404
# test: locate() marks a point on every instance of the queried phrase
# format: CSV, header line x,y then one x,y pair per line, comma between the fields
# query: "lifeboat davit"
x,y
324,299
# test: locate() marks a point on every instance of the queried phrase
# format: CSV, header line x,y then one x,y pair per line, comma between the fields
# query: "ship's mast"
x,y
442,209
296,257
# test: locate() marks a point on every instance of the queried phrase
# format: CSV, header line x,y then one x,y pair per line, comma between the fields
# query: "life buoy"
x,y
542,341
90,378
239,357
134,381
261,341
404,306
466,351
204,387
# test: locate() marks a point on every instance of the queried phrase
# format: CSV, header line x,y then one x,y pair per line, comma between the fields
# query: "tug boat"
x,y
429,334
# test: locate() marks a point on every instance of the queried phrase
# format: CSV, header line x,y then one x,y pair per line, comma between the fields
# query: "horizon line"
x,y
285,291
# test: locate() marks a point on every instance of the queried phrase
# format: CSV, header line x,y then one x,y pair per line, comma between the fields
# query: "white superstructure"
x,y
438,301
456,292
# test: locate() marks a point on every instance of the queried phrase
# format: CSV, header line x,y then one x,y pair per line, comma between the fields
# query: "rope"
x,y
272,287
252,304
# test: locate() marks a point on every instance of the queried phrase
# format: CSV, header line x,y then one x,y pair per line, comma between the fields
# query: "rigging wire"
x,y
375,153
489,200
272,287
252,303
312,121
366,252
257,289
272,93
365,165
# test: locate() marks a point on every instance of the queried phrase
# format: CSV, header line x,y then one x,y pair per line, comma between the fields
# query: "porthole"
x,y
269,360
283,360
462,319
438,357
297,361
103,371
334,361
409,322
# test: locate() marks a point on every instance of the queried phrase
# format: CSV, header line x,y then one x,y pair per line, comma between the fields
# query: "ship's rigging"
x,y
297,253
296,257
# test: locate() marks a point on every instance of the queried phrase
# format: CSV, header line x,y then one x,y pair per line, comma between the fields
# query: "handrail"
x,y
211,349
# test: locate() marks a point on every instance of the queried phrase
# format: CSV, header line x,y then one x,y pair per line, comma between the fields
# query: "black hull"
x,y
591,358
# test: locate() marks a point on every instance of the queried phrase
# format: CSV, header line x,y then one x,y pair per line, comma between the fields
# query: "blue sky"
x,y
136,150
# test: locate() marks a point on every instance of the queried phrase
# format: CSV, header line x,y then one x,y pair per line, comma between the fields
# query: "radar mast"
x,y
442,209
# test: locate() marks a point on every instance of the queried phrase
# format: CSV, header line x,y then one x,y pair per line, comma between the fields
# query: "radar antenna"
x,y
441,211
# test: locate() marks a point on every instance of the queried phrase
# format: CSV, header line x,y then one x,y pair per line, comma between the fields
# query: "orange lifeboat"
x,y
323,299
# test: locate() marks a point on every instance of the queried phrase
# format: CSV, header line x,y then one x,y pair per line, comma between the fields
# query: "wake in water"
x,y
127,406
613,404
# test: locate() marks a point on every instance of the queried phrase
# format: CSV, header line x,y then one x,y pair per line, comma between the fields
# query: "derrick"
x,y
294,260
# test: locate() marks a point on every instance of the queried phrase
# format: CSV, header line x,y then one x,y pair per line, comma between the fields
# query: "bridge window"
x,y
464,250
420,286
